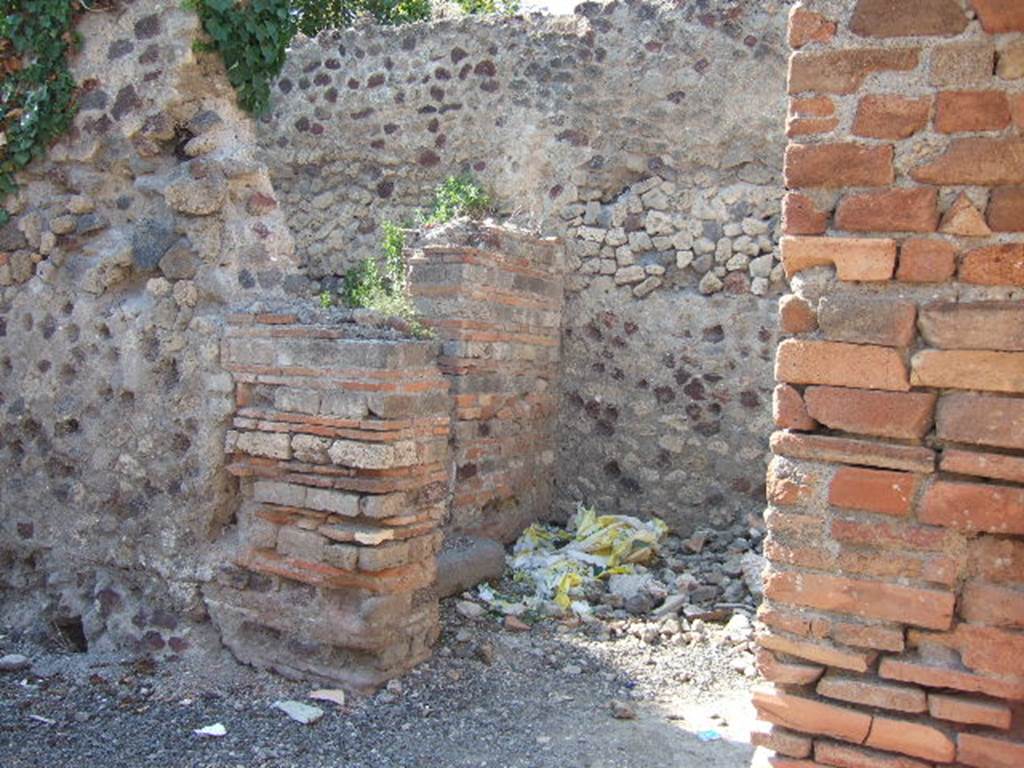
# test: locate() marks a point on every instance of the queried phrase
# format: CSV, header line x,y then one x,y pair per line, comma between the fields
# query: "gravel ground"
x,y
491,696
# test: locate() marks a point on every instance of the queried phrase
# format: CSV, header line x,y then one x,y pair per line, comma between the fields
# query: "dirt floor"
x,y
594,695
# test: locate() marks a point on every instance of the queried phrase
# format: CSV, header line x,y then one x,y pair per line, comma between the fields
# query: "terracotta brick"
x,y
780,741
986,650
812,106
996,325
974,507
839,165
786,619
788,409
819,653
809,27
800,555
871,693
964,219
962,369
810,716
892,210
863,259
868,636
800,361
963,709
991,604
846,756
994,265
787,673
857,597
1006,209
909,18
986,752
932,675
961,111
796,315
996,559
962,64
977,162
893,536
873,490
788,484
871,412
844,71
926,261
890,117
1017,110
800,216
890,565
848,451
866,320
810,126
909,738
1000,15
981,420
1010,64
996,466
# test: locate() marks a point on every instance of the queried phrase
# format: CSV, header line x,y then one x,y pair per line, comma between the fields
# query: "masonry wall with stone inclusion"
x,y
635,131
646,136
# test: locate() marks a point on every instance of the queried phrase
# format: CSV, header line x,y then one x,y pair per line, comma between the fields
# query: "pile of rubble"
x,y
644,584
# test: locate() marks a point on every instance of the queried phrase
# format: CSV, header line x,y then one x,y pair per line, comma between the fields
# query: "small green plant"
x,y
326,300
316,15
505,7
383,286
37,91
251,38
381,283
458,196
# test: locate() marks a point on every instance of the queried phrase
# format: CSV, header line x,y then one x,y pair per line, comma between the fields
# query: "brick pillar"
x,y
340,443
494,296
895,592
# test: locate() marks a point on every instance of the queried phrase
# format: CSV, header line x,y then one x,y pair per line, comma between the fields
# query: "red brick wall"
x,y
895,594
493,295
340,442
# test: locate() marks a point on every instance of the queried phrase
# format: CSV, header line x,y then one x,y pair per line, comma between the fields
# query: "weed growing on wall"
x,y
457,196
382,284
506,7
37,91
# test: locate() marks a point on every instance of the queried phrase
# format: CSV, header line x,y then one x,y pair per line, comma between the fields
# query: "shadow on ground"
x,y
490,697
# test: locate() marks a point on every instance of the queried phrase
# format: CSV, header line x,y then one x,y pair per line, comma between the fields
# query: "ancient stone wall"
x,y
645,136
126,244
896,528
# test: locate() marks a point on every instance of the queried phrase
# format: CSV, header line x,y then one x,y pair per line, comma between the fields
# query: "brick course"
x,y
906,534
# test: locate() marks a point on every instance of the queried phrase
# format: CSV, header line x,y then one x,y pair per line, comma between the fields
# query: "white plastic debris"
x,y
333,695
299,712
215,730
558,563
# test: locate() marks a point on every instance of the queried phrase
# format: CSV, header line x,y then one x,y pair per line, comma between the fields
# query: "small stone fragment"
x,y
299,712
14,662
621,710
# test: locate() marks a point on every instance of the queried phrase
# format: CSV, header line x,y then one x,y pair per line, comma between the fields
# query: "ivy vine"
x,y
252,39
37,91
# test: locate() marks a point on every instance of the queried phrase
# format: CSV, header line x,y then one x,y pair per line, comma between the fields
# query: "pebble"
x,y
622,710
299,712
469,609
14,662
